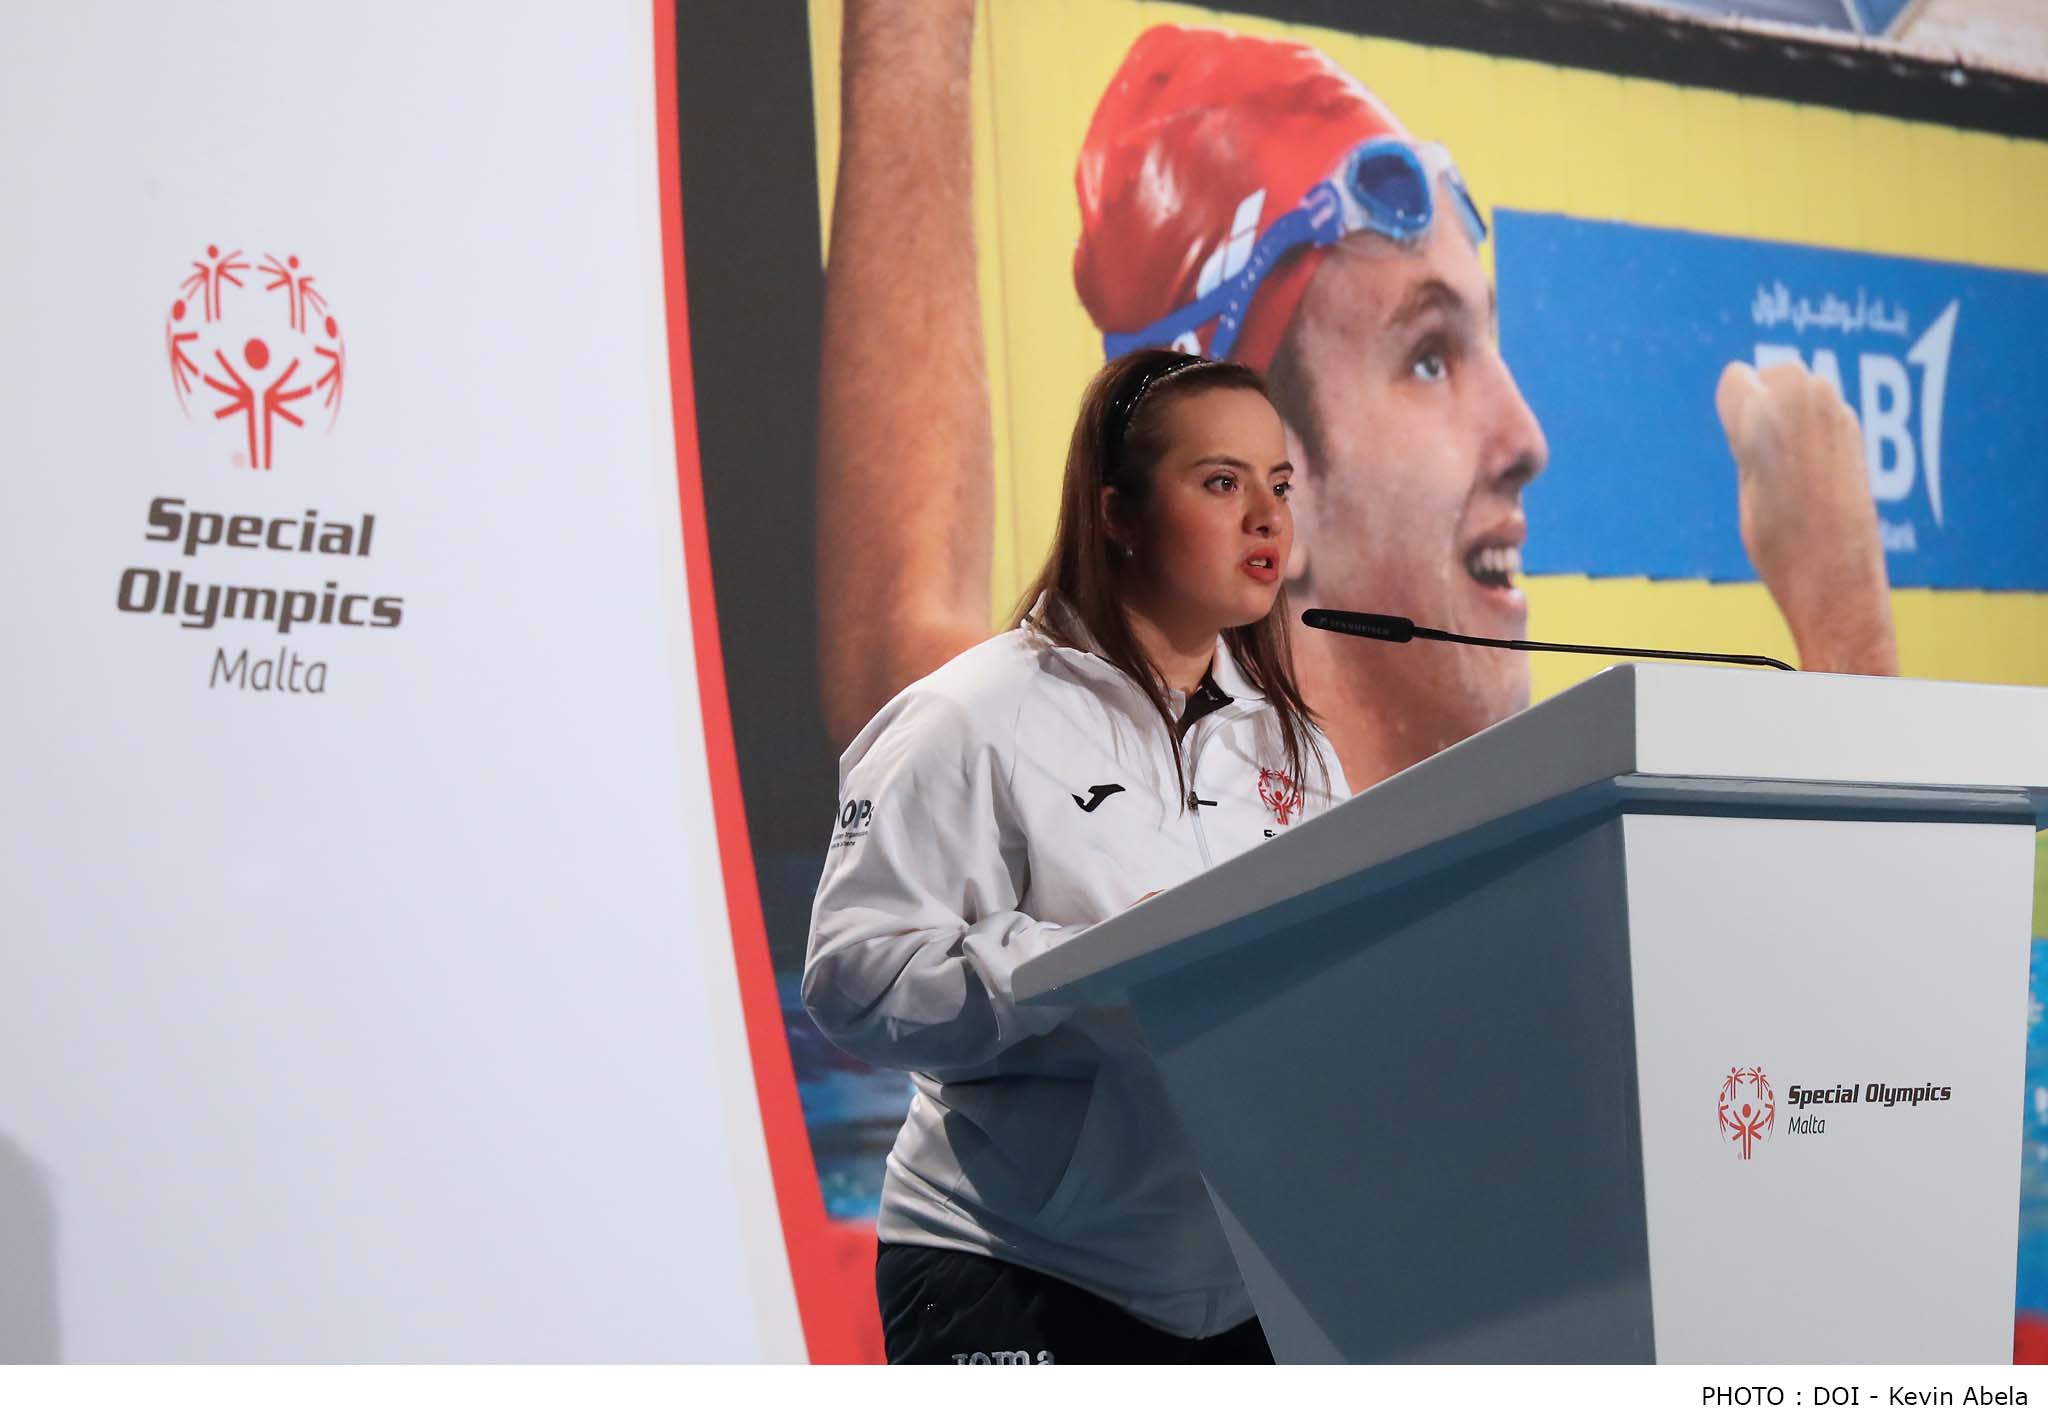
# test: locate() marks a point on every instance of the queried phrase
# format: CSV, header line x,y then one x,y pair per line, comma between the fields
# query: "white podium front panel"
x,y
1850,960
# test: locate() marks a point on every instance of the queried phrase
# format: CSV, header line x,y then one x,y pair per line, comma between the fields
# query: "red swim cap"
x,y
1194,122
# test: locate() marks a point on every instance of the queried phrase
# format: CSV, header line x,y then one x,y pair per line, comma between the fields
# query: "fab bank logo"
x,y
255,352
1617,335
1898,391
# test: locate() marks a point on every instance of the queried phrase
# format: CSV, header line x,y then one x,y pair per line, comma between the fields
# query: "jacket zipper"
x,y
1195,803
1201,840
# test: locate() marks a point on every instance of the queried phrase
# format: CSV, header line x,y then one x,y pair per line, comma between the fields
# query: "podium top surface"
x,y
1736,736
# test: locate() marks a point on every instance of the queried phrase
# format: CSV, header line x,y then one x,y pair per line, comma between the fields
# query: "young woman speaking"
x,y
1139,725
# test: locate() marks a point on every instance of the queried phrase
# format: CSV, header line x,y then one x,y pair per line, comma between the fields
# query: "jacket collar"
x,y
1053,624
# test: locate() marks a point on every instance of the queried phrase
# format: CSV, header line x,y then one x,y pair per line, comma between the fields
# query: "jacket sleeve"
x,y
916,930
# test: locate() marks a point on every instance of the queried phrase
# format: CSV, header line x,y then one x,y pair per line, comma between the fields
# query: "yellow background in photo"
x,y
1527,136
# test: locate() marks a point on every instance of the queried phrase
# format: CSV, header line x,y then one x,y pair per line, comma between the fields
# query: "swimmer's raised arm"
x,y
905,463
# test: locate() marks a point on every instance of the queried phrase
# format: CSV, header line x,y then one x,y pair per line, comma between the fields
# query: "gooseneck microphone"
x,y
1382,627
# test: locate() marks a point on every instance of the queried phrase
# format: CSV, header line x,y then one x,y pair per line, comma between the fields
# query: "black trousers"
x,y
949,1306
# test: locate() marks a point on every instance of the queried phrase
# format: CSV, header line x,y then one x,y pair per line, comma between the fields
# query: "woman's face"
x,y
1210,546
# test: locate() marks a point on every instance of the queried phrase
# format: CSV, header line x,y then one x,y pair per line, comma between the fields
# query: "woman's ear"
x,y
1301,503
1112,526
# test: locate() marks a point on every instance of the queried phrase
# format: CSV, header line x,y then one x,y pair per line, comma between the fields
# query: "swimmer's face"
x,y
1416,449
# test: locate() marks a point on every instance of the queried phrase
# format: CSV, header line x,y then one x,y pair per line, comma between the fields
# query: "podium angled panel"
x,y
1425,1119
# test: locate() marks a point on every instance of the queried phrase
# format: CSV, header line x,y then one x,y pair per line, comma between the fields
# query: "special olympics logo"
x,y
1281,795
1748,1108
263,349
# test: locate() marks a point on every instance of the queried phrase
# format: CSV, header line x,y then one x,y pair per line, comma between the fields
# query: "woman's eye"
x,y
1221,483
1282,489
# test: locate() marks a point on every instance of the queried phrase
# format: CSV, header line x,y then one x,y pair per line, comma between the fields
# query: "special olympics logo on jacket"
x,y
254,343
1282,795
1748,1108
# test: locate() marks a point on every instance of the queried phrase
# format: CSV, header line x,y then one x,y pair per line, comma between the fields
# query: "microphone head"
x,y
1380,626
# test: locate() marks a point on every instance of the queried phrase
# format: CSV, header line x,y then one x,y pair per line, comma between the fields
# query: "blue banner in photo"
x,y
1618,334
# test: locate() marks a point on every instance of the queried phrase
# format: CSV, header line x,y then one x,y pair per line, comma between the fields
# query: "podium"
x,y
1681,1018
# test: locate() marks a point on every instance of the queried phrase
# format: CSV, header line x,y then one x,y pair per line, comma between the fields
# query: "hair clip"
x,y
1124,411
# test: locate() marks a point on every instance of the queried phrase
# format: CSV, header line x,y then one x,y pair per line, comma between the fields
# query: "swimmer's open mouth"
x,y
1495,565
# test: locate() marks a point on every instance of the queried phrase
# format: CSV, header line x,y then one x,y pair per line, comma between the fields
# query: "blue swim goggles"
x,y
1381,186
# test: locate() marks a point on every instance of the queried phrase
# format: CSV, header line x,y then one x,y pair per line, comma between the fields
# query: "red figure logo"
x,y
1282,796
262,351
1748,1108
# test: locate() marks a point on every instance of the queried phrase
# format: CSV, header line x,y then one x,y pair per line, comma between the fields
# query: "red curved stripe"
x,y
830,1265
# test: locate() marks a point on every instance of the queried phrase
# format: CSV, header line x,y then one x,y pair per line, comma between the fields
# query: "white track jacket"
x,y
1019,794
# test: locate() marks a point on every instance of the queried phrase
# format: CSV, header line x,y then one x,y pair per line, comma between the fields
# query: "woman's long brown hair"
x,y
1119,439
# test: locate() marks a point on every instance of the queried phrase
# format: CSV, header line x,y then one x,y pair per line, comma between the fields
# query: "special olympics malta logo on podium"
x,y
1748,1108
255,344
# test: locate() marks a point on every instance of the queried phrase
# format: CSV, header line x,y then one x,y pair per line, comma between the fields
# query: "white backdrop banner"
x,y
366,988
